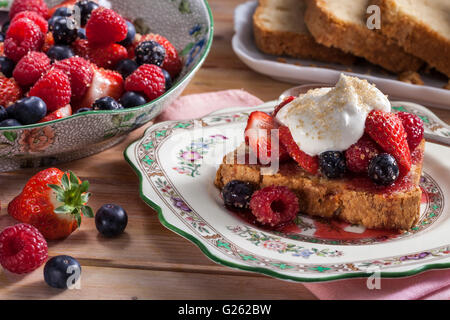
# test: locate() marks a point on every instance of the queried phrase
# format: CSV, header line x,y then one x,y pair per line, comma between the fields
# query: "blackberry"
x,y
333,164
150,52
237,194
383,169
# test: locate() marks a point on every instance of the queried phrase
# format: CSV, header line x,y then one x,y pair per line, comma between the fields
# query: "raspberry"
x,y
148,79
80,74
22,37
414,129
54,89
30,68
274,205
35,17
104,56
37,6
10,91
388,132
106,26
22,249
172,62
360,154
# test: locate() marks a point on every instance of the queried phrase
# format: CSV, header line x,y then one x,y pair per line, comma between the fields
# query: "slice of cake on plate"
x,y
340,150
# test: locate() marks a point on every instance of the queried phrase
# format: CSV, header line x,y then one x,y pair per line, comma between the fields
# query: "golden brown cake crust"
x,y
333,199
357,39
414,36
297,45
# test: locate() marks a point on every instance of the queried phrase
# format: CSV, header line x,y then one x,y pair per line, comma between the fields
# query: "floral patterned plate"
x,y
188,24
177,162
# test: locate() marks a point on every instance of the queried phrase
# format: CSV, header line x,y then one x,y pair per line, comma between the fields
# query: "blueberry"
x,y
132,99
10,123
5,26
168,79
111,220
60,52
332,164
2,37
28,110
7,66
126,67
383,169
106,103
63,12
64,30
83,110
131,34
237,194
3,113
82,33
85,8
51,21
62,272
150,52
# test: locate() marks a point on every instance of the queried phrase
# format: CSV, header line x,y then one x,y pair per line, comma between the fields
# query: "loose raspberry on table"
x,y
80,74
54,89
35,17
106,26
22,37
31,67
10,91
148,79
22,249
38,6
359,155
274,205
414,129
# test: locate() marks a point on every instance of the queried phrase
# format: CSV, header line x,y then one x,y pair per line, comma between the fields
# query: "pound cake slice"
x,y
421,27
279,29
342,24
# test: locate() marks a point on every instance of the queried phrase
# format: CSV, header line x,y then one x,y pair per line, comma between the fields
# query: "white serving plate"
x,y
431,94
176,162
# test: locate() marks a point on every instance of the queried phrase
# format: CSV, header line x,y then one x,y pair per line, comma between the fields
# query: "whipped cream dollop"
x,y
332,119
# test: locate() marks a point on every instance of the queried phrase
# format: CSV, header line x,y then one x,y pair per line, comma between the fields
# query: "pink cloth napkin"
x,y
427,285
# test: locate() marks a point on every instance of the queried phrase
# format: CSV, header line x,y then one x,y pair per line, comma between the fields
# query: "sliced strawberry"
x,y
61,113
286,101
307,162
386,129
258,135
105,83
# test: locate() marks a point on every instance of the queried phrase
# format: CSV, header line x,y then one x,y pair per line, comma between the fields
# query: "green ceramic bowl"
x,y
188,24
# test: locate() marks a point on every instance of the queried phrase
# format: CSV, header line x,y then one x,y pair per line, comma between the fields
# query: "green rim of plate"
x,y
265,271
177,84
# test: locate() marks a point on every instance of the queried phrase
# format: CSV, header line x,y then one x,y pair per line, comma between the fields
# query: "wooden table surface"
x,y
149,261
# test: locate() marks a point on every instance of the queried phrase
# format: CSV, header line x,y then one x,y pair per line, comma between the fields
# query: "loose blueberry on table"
x,y
111,220
101,48
62,272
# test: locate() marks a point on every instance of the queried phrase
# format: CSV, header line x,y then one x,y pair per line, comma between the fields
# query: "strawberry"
x,y
10,91
53,202
38,6
283,103
80,74
104,56
386,129
106,26
148,79
359,155
258,135
31,67
53,88
22,37
61,113
307,162
172,62
105,83
35,17
414,129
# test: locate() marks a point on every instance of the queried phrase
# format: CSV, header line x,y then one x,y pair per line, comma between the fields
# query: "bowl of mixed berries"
x,y
78,76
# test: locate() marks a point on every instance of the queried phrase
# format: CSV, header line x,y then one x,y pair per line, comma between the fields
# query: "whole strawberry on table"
x,y
53,65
